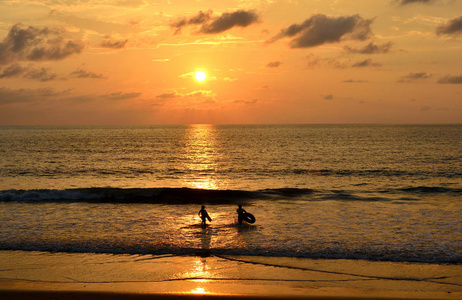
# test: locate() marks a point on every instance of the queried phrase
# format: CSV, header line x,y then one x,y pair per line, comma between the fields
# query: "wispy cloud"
x,y
121,96
193,94
274,64
315,61
414,76
406,2
365,63
114,44
16,70
12,96
370,48
208,24
36,44
354,81
320,29
81,73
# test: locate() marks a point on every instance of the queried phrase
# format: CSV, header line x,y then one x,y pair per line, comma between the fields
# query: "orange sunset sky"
x,y
72,62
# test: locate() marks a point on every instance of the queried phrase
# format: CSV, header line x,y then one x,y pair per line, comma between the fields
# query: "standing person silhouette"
x,y
204,215
240,214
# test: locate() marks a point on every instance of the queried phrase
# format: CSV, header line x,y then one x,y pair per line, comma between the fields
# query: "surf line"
x,y
433,280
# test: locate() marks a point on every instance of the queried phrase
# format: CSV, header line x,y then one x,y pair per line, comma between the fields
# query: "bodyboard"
x,y
249,218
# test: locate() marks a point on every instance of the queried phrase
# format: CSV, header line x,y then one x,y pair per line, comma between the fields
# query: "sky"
x,y
120,62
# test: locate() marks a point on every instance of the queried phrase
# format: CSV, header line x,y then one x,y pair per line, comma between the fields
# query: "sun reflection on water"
x,y
201,156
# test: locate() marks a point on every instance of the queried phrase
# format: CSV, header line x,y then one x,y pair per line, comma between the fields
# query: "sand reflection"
x,y
199,274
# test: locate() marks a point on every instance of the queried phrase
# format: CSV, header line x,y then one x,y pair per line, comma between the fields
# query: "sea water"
x,y
374,192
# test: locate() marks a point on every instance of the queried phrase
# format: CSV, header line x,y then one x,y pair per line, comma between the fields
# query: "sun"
x,y
200,76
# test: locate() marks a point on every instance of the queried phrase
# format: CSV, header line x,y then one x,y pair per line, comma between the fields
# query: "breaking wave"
x,y
193,196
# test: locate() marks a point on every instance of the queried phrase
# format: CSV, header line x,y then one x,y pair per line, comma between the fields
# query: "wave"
x,y
115,170
379,254
431,190
376,173
146,195
194,196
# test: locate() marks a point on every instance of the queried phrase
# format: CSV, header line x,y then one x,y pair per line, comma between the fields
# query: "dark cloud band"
x,y
320,29
36,44
210,25
453,27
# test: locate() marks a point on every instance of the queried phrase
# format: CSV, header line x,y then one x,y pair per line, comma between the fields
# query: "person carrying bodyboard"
x,y
204,215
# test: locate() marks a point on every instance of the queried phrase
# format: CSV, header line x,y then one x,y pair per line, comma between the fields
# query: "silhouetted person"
x,y
240,214
204,215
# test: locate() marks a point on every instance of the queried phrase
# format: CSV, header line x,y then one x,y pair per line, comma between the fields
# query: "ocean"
x,y
369,192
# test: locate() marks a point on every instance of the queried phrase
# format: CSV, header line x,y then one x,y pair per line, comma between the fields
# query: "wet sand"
x,y
43,275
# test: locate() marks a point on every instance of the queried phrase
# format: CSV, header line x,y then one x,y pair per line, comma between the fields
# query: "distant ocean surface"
x,y
373,192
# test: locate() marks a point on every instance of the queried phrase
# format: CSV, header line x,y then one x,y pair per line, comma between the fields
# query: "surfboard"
x,y
208,218
249,218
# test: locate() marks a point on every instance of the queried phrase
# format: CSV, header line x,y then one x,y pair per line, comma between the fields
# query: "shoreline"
x,y
41,275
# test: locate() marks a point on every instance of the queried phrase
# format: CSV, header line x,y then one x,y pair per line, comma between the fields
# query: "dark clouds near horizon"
x,y
321,29
36,44
12,96
212,25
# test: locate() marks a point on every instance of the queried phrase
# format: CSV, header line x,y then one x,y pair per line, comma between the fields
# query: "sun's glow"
x,y
200,76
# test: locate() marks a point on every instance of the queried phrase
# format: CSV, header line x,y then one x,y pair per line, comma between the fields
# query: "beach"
x,y
344,211
43,275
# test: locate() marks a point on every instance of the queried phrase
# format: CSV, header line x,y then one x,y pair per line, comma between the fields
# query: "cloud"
x,y
328,97
454,27
449,79
9,96
354,81
210,25
365,63
405,2
41,74
13,70
413,76
371,48
113,44
200,18
320,29
121,96
168,95
246,102
274,64
16,70
36,44
81,73
227,21
194,94
200,94
338,63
